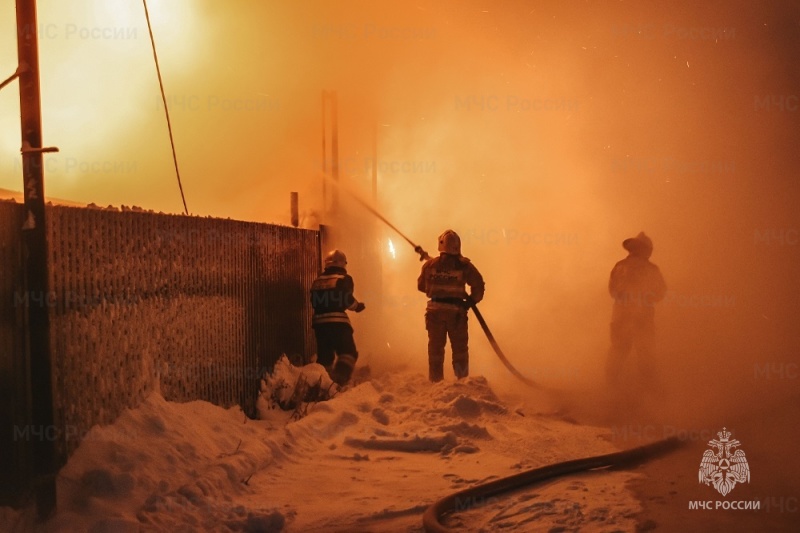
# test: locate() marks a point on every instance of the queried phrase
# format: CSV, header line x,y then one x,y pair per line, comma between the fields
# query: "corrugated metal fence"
x,y
197,308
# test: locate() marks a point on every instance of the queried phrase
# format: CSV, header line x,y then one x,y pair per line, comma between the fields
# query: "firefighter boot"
x,y
435,370
343,368
461,367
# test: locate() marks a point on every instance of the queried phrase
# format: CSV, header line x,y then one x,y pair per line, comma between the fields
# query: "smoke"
x,y
545,136
543,133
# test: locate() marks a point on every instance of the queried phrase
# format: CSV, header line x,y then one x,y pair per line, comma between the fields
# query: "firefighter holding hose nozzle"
x,y
443,280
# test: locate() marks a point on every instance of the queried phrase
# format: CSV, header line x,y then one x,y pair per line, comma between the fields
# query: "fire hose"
x,y
464,499
423,255
498,351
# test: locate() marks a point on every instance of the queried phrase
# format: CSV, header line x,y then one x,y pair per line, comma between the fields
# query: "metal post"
x,y
44,462
335,151
324,159
294,208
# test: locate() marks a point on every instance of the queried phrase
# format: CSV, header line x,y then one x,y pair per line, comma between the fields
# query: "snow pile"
x,y
164,466
375,456
288,386
372,458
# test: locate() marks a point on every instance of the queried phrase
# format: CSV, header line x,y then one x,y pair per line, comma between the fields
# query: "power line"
x,y
166,110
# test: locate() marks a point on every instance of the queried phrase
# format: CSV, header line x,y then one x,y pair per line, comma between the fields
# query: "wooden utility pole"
x,y
34,236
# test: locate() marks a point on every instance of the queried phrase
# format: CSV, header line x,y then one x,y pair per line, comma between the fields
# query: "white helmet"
x,y
450,242
335,258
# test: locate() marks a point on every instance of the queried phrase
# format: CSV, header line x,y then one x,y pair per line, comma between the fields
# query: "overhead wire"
x,y
166,108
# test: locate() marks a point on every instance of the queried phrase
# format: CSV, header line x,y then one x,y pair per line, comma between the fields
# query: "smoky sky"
x,y
545,133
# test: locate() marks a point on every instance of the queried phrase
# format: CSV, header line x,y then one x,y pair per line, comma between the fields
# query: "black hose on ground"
x,y
463,499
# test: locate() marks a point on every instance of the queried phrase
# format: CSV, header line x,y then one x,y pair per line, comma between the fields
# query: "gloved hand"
x,y
467,303
359,307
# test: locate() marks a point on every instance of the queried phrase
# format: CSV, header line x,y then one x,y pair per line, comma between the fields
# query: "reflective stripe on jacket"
x,y
445,277
331,295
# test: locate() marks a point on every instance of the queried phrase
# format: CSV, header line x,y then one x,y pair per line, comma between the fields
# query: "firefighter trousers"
x,y
335,340
631,335
441,324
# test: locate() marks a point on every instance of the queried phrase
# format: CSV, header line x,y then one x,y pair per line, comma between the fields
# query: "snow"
x,y
370,458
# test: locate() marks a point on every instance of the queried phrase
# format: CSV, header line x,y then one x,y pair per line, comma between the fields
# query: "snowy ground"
x,y
372,458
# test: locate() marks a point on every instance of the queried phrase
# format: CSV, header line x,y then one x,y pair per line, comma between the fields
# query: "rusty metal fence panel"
x,y
196,308
14,399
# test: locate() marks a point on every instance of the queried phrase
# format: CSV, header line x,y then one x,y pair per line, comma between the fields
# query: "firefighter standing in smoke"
x,y
331,297
636,285
443,279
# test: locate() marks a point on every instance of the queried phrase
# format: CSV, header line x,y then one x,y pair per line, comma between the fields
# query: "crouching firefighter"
x,y
331,297
443,279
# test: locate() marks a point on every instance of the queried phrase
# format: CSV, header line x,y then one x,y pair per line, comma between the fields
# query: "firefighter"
x,y
636,285
331,296
443,280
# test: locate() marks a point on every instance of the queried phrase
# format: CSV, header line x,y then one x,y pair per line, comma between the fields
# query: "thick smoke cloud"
x,y
543,132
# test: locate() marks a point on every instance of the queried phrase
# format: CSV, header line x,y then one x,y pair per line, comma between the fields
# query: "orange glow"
x,y
100,100
543,132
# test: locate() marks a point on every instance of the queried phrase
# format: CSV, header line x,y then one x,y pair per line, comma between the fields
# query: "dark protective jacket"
x,y
331,295
636,285
444,278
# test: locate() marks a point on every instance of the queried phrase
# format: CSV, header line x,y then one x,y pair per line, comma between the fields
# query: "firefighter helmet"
x,y
450,242
335,258
641,245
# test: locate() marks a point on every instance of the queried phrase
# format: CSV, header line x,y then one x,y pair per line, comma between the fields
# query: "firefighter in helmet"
x,y
636,285
444,279
331,297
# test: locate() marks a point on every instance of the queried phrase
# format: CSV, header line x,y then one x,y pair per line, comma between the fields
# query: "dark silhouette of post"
x,y
294,207
330,98
43,449
335,150
324,156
